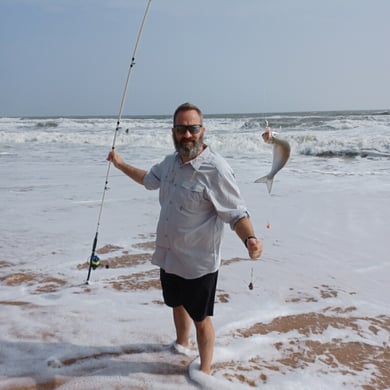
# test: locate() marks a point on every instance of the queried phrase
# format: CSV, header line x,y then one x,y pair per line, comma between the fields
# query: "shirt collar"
x,y
200,159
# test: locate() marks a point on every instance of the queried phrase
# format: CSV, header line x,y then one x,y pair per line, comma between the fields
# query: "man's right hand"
x,y
134,173
115,158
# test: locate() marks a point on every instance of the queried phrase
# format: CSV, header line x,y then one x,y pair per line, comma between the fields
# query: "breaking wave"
x,y
362,134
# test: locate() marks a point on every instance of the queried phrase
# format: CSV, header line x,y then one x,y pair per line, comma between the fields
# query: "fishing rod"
x,y
94,260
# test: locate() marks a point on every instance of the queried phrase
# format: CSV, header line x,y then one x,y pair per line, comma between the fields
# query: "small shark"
x,y
281,153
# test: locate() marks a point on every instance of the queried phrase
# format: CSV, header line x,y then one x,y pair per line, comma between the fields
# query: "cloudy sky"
x,y
71,57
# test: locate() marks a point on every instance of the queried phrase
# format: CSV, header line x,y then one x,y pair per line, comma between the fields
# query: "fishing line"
x,y
94,260
266,128
250,286
268,225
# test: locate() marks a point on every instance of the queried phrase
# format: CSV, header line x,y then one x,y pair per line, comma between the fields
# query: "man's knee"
x,y
204,325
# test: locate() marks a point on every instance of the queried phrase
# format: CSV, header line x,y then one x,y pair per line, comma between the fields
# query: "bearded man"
x,y
198,195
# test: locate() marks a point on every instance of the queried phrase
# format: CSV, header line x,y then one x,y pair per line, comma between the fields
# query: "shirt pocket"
x,y
192,197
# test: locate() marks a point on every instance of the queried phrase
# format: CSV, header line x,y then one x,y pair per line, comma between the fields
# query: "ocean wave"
x,y
249,144
324,135
255,123
346,144
347,153
47,124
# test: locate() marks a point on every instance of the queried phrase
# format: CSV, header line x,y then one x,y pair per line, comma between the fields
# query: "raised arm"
x,y
134,173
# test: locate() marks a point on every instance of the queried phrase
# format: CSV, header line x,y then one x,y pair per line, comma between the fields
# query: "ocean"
x,y
325,260
363,135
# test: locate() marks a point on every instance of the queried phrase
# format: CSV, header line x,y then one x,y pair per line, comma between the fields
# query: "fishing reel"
x,y
95,262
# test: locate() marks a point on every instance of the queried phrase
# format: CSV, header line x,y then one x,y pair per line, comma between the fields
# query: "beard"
x,y
188,148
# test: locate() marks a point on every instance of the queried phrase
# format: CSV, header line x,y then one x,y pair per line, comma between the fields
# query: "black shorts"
x,y
196,295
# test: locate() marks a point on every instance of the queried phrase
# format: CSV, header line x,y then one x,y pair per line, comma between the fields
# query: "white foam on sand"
x,y
317,317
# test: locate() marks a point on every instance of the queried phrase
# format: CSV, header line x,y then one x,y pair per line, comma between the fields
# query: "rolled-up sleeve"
x,y
226,198
152,179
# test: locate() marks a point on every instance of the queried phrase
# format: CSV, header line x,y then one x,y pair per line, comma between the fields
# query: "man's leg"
x,y
183,325
206,338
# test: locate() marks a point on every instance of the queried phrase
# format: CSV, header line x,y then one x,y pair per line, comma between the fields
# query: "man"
x,y
198,194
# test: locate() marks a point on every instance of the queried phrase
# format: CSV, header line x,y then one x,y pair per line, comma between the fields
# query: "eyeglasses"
x,y
182,129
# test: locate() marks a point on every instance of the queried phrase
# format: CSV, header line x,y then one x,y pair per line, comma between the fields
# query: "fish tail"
x,y
267,181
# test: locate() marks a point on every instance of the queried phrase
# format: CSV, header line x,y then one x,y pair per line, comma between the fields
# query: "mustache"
x,y
188,147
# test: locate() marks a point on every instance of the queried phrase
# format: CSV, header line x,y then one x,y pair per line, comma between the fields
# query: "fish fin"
x,y
267,181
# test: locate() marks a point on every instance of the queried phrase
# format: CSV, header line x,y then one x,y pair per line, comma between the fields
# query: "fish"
x,y
281,154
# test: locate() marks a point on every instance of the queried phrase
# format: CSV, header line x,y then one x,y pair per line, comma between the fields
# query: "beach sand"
x,y
296,342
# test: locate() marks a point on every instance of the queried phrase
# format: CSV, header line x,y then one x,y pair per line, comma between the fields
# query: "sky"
x,y
72,57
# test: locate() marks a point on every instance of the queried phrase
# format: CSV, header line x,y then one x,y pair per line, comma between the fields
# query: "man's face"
x,y
188,134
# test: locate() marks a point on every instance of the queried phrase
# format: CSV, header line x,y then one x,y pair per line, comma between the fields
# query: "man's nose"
x,y
187,134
